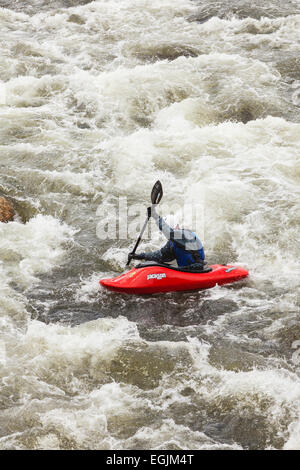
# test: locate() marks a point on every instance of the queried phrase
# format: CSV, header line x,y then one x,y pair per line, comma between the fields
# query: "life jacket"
x,y
188,249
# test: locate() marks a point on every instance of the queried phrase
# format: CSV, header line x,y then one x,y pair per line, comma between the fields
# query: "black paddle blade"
x,y
156,193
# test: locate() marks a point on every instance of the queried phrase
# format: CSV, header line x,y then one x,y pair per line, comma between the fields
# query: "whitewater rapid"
x,y
99,100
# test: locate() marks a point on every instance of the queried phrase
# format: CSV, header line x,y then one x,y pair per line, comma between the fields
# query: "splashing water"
x,y
100,99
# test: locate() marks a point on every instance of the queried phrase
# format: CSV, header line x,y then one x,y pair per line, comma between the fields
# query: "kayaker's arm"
x,y
164,255
168,231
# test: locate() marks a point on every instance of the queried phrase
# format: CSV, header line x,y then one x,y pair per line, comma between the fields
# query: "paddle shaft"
x,y
139,239
156,195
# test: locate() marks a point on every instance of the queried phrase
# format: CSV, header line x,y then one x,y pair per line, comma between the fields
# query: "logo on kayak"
x,y
156,276
132,274
230,269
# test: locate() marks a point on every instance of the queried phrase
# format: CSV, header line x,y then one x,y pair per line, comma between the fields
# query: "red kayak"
x,y
157,278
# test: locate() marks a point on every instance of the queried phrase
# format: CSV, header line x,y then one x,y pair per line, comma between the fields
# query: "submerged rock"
x,y
6,210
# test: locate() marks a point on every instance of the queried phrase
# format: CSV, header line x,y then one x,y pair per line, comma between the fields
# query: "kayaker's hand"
x,y
151,212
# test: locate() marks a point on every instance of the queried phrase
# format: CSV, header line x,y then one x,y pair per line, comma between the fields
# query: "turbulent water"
x,y
99,100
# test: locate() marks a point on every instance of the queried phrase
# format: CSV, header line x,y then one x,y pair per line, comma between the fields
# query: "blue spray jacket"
x,y
183,245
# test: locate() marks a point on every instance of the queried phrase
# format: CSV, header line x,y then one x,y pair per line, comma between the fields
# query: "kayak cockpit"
x,y
193,268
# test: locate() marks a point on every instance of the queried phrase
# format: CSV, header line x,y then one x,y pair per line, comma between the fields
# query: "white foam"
x,y
36,246
101,108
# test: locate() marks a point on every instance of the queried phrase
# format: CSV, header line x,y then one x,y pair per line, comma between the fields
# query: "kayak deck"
x,y
154,279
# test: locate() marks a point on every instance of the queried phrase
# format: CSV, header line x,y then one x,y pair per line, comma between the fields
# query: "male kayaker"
x,y
183,245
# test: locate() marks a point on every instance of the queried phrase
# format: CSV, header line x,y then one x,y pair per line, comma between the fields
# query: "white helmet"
x,y
173,221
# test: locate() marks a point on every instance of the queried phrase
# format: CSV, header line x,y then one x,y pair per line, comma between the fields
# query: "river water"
x,y
99,100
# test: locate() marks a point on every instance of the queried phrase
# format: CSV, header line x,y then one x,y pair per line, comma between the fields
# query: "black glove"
x,y
134,256
151,211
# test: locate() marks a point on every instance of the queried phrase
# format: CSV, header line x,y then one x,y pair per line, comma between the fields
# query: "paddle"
x,y
156,195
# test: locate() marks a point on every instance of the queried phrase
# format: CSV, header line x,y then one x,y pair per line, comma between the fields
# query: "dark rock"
x,y
76,19
6,210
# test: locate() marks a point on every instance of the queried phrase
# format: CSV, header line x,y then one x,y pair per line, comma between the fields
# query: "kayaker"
x,y
183,246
